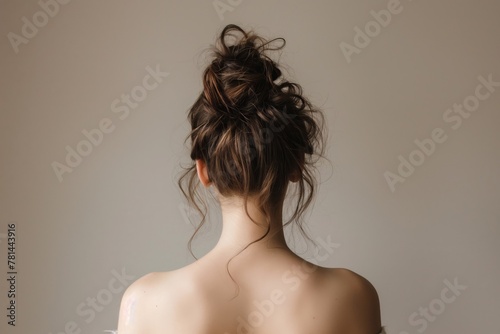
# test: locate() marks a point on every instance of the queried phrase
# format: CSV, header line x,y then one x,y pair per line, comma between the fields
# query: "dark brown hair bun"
x,y
241,77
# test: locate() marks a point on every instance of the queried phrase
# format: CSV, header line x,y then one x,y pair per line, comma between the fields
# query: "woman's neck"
x,y
238,229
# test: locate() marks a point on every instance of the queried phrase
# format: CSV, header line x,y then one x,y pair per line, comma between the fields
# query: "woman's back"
x,y
279,293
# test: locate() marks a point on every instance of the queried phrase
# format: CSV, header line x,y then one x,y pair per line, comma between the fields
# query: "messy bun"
x,y
241,78
253,128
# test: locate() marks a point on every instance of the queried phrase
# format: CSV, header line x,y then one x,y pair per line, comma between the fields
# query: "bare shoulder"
x,y
140,302
356,302
354,284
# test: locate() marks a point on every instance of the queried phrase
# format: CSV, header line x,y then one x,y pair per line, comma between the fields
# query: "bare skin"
x,y
279,292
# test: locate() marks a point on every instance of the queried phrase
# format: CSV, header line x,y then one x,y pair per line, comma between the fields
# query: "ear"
x,y
201,169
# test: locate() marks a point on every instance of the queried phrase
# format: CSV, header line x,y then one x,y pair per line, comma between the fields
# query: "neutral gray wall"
x,y
120,208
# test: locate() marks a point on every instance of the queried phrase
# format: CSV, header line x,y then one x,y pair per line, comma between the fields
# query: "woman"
x,y
253,133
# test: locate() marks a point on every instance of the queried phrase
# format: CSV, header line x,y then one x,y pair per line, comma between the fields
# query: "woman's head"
x,y
253,132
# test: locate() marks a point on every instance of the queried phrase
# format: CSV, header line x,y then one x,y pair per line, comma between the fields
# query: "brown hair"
x,y
253,129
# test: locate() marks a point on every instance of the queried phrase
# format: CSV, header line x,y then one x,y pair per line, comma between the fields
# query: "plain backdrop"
x,y
117,214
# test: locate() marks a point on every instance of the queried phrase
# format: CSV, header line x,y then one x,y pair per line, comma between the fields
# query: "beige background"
x,y
120,208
